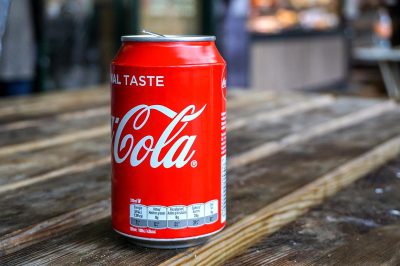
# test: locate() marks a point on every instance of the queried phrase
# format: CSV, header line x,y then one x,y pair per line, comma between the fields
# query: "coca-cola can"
x,y
168,118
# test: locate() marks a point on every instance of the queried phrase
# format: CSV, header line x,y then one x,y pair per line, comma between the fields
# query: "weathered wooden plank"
x,y
292,108
241,98
270,132
250,191
89,250
358,226
80,135
268,105
55,225
378,247
68,170
21,166
318,130
302,163
36,203
53,96
271,218
51,128
86,114
45,105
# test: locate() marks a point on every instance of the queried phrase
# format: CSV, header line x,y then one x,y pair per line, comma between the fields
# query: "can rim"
x,y
168,38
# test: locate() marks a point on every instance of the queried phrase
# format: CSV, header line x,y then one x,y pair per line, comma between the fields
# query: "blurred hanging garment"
x,y
17,56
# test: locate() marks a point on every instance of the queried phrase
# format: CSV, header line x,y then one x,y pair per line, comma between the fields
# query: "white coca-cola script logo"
x,y
139,116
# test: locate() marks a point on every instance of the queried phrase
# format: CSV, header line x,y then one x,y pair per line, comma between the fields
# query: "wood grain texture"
x,y
255,134
52,103
40,122
295,107
55,190
41,201
57,140
56,225
251,188
20,166
52,129
77,168
238,98
264,105
269,219
357,226
318,130
378,247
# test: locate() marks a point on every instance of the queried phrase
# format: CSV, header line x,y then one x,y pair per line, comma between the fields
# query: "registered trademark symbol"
x,y
193,163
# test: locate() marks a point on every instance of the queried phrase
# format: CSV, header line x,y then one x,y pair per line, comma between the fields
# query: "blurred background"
x,y
346,47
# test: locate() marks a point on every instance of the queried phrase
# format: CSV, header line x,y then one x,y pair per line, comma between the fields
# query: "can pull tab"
x,y
152,33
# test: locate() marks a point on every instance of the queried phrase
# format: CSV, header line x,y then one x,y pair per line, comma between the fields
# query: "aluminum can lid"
x,y
168,38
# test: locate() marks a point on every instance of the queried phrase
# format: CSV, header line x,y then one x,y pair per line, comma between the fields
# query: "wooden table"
x,y
287,154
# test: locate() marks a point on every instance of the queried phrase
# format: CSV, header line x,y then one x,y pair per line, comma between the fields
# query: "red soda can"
x,y
168,140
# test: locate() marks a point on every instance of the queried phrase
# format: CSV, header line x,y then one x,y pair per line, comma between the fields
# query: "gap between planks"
x,y
245,233
265,150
